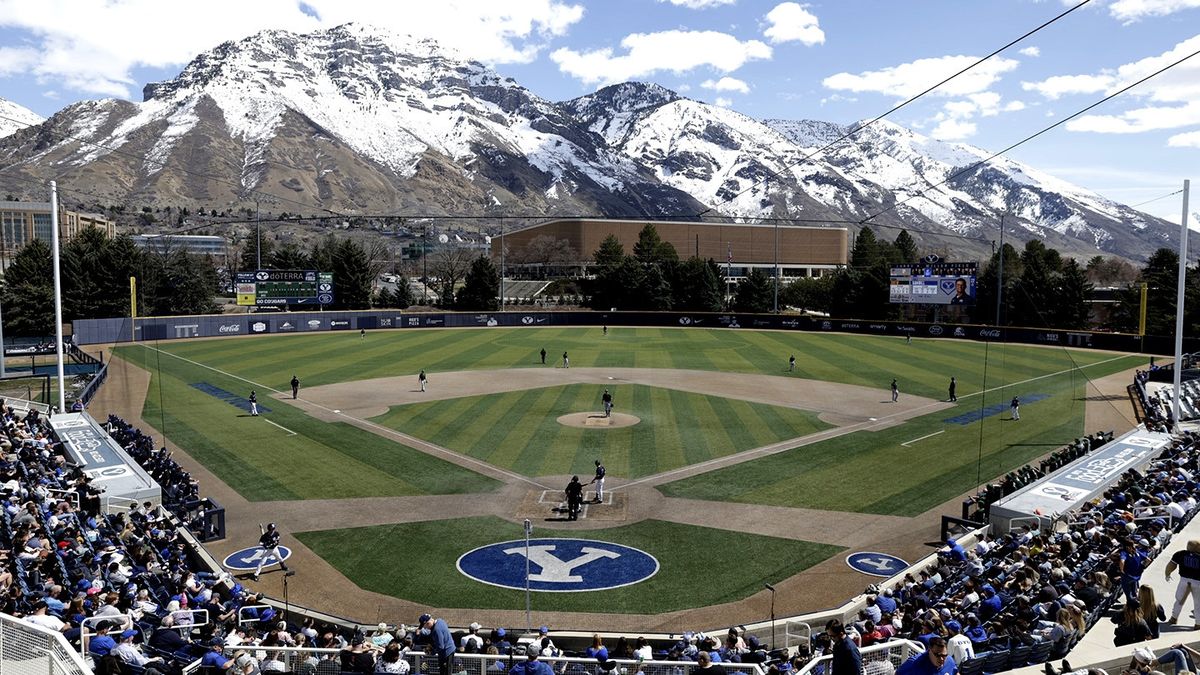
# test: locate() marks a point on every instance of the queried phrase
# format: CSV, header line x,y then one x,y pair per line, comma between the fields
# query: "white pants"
x,y
1016,413
1185,587
278,555
253,408
600,490
422,385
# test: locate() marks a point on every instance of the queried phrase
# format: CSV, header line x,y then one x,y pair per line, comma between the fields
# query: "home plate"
x,y
339,412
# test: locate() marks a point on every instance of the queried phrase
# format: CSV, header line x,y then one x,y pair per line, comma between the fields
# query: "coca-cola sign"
x,y
228,328
989,333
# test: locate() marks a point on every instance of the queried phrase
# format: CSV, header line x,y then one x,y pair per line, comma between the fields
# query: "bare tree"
x,y
449,266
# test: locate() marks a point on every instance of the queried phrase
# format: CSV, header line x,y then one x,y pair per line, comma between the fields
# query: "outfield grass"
x,y
872,472
263,462
518,430
698,566
866,472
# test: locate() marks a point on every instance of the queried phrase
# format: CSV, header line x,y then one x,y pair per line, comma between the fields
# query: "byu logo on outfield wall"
x,y
875,564
558,565
247,558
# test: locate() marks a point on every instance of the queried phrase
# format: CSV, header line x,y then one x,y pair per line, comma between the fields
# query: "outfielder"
x,y
269,542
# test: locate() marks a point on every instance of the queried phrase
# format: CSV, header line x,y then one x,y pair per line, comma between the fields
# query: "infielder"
x,y
607,399
269,542
423,379
253,403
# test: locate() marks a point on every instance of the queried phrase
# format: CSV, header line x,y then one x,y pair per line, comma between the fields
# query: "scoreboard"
x,y
933,282
284,287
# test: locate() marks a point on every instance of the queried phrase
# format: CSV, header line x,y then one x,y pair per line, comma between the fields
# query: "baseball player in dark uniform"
x,y
269,542
599,482
295,386
607,399
574,498
253,403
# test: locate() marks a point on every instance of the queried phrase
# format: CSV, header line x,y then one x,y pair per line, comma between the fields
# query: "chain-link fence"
x,y
26,649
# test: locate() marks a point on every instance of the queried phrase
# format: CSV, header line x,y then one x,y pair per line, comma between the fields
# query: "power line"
x,y
972,167
1151,201
814,153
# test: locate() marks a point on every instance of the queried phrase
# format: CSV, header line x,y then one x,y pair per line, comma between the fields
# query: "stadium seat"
x,y
972,666
1019,656
1041,652
996,662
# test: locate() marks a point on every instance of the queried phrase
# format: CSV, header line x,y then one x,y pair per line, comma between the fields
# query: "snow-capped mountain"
x,y
14,117
360,120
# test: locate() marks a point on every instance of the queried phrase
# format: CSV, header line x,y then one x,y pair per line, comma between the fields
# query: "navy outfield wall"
x,y
99,331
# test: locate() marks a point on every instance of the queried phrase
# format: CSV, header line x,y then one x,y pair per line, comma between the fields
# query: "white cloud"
x,y
1030,52
1014,106
100,45
953,130
699,4
1064,85
1129,11
676,51
835,98
908,79
792,22
727,84
723,102
1150,118
1189,140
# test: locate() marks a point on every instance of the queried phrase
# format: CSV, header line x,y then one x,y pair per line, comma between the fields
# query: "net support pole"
x,y
1179,288
58,326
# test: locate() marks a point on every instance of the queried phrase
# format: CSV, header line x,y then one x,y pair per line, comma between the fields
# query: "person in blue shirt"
x,y
935,661
100,644
440,638
991,604
532,666
846,657
886,602
214,658
597,651
1133,563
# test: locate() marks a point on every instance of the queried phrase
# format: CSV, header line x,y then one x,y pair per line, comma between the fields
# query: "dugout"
x,y
1078,482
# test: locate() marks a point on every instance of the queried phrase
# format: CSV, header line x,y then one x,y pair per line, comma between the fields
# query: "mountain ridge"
x,y
355,119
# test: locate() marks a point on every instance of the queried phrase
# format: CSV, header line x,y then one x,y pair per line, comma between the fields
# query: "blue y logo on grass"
x,y
558,565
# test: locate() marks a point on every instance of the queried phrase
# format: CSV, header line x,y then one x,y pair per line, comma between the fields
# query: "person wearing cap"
x,y
471,643
531,665
214,658
935,661
440,638
269,543
598,479
1180,656
574,492
1187,561
101,643
129,653
959,645
846,658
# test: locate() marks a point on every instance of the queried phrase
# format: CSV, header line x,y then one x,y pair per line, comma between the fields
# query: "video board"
x,y
284,287
933,283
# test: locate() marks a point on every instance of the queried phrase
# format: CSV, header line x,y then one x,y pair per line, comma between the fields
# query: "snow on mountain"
x,y
360,119
14,117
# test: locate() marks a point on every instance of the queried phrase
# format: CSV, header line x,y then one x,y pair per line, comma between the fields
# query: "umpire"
x,y
574,498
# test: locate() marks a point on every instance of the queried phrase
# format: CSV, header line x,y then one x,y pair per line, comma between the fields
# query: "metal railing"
x,y
420,663
878,659
25,406
26,649
796,633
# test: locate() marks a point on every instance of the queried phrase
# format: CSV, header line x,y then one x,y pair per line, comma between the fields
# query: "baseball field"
x,y
716,428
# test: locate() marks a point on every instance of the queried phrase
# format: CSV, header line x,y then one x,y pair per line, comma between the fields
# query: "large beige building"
x,y
737,247
21,222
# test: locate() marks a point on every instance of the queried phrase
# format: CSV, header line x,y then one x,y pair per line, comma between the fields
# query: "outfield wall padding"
x,y
102,331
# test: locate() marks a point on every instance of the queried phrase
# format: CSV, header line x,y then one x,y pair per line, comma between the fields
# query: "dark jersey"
x,y
269,539
600,472
1189,564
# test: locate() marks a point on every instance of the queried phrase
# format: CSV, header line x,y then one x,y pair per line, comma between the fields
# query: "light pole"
x,y
58,347
772,589
528,620
502,247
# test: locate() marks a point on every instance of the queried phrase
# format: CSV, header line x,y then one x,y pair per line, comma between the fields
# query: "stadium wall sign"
x,y
558,565
246,560
876,564
95,331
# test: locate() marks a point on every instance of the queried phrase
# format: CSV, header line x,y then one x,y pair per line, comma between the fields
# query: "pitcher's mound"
x,y
597,420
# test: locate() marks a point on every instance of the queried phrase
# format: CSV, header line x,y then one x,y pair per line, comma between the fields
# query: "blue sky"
x,y
840,61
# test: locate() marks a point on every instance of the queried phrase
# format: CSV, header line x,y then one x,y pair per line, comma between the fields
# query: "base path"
x,y
320,586
836,404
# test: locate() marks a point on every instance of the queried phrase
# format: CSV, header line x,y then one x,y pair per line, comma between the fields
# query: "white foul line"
x,y
924,437
280,426
410,441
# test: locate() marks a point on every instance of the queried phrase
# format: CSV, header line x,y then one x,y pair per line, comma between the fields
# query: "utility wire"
x,y
1151,201
776,174
972,167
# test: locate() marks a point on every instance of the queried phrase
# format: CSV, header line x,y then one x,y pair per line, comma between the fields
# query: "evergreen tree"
x,y
699,286
610,254
809,293
402,297
289,257
29,292
906,248
986,285
650,249
481,287
353,275
755,293
1071,295
249,259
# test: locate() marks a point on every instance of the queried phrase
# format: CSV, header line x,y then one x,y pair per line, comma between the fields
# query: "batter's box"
x,y
549,505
